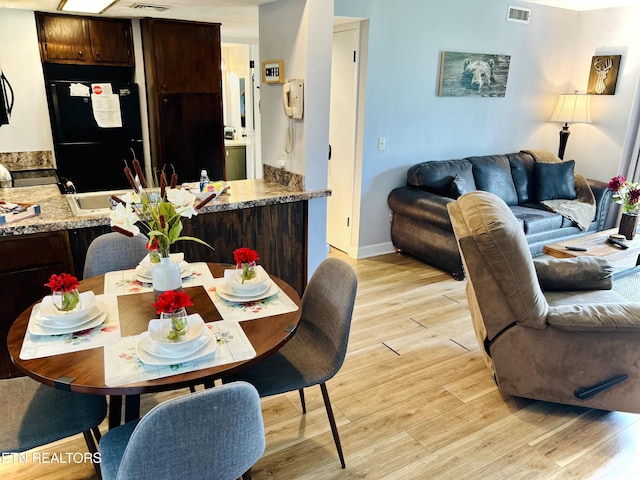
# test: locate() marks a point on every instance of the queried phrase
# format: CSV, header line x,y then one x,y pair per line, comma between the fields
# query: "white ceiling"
x,y
582,5
239,18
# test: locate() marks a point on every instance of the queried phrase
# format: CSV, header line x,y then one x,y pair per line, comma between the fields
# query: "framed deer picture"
x,y
603,74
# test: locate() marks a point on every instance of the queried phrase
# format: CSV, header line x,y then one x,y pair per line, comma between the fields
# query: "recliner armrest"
x,y
624,317
579,273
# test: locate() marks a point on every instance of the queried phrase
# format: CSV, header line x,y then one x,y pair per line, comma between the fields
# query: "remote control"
x,y
617,243
576,249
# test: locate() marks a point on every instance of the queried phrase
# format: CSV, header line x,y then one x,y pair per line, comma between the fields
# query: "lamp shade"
x,y
572,108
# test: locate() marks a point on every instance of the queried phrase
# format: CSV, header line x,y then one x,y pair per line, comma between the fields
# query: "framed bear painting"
x,y
473,74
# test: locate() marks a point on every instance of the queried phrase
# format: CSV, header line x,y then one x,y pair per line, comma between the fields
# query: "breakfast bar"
x,y
260,214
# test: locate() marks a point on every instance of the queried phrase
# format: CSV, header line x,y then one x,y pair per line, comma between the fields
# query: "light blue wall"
x,y
406,38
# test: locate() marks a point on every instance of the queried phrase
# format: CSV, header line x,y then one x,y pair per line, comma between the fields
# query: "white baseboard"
x,y
374,250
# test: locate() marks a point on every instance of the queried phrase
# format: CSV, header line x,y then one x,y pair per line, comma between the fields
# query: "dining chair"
x,y
217,433
114,251
34,414
316,351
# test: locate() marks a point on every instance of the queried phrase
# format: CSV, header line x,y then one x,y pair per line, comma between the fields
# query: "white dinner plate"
x,y
54,324
36,328
226,293
144,275
258,289
159,330
251,288
158,350
86,304
208,349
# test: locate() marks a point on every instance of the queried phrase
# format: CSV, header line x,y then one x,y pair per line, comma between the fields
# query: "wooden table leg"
x,y
115,411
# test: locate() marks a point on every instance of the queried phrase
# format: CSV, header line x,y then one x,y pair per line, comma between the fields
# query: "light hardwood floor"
x,y
414,400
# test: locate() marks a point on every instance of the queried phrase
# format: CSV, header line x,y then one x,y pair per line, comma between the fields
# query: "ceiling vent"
x,y
148,6
518,14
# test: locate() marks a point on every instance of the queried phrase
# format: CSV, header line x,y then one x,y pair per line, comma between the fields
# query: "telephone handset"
x,y
293,97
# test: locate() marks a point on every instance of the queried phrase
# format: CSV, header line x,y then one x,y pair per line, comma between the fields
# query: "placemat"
x,y
38,346
125,282
273,305
122,365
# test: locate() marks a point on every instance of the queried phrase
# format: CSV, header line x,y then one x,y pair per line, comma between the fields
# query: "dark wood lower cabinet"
x,y
27,263
277,232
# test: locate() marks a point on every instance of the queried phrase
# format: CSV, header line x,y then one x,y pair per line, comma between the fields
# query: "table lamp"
x,y
571,108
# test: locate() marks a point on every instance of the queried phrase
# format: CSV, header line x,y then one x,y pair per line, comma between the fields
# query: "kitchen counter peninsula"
x,y
259,214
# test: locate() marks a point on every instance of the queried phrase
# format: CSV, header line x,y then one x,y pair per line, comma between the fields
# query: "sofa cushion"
x,y
459,186
555,180
535,220
523,178
492,173
436,176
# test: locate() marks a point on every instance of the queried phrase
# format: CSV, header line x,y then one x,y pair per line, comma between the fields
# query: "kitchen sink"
x,y
92,203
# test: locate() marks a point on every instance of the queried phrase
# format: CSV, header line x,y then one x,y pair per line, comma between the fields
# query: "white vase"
x,y
166,276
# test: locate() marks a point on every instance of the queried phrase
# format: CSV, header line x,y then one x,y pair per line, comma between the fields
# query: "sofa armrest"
x,y
609,317
420,205
579,273
602,196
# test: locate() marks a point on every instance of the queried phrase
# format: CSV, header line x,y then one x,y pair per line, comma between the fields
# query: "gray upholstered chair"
x,y
317,350
114,251
215,433
549,329
34,414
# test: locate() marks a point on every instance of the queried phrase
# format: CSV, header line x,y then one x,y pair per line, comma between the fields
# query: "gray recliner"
x,y
213,434
114,251
575,343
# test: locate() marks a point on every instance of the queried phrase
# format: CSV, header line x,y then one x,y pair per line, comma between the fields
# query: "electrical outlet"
x,y
382,143
283,160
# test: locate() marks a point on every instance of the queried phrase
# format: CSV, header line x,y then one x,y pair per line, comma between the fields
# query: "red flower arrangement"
x,y
62,283
245,255
65,291
171,300
246,260
625,193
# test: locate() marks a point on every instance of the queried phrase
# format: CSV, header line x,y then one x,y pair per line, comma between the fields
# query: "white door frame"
x,y
354,214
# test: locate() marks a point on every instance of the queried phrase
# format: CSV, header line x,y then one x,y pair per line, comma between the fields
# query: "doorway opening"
x,y
346,125
240,97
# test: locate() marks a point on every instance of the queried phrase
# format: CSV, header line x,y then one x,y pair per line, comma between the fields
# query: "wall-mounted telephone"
x,y
293,97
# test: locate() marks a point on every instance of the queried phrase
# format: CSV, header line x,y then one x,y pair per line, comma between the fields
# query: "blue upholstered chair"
x,y
34,414
215,433
317,350
114,251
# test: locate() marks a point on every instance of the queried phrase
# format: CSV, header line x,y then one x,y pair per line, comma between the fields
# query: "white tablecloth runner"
x,y
38,346
122,365
125,282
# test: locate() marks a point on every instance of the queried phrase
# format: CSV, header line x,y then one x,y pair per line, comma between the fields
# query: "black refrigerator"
x,y
96,129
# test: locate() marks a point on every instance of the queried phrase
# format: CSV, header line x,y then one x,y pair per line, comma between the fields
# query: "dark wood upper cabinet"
x,y
182,57
84,40
184,95
111,41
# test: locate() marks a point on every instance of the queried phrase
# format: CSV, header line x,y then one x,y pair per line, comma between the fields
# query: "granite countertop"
x,y
56,213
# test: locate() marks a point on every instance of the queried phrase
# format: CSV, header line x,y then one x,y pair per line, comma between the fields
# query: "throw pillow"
x,y
492,174
555,180
459,186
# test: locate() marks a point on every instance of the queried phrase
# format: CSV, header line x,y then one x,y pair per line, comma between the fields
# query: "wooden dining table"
x,y
84,371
